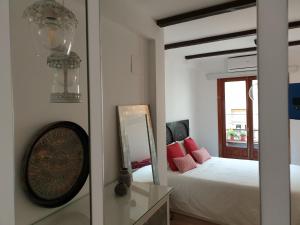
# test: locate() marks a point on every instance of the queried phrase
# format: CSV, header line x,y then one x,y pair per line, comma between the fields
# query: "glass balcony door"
x,y
238,117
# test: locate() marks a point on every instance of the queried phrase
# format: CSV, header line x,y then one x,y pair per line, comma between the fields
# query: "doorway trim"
x,y
95,112
239,153
7,161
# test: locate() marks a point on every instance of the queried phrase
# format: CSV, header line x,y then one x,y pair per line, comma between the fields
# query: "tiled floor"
x,y
178,219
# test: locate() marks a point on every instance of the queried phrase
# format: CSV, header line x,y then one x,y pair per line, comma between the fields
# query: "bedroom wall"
x,y
179,89
128,33
120,85
189,94
32,110
7,216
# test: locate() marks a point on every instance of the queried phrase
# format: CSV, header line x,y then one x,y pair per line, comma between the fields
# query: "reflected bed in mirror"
x,y
137,142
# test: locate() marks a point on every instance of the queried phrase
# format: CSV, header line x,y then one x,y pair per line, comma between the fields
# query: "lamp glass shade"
x,y
52,26
253,92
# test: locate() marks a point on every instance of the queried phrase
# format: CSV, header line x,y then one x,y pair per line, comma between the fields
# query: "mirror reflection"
x,y
138,147
136,131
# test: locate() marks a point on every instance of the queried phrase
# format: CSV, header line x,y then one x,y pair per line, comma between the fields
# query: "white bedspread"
x,y
225,191
143,174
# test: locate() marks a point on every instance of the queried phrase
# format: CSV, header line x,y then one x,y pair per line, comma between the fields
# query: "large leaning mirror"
x,y
137,142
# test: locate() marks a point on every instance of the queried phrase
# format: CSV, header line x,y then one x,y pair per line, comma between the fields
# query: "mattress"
x,y
225,191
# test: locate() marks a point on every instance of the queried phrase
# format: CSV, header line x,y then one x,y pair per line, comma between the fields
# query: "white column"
x,y
7,176
273,111
161,108
95,111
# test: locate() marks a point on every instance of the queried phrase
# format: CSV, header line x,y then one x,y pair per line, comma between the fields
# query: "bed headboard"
x,y
177,131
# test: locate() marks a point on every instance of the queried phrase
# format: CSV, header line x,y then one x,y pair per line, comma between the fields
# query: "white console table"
x,y
75,213
144,204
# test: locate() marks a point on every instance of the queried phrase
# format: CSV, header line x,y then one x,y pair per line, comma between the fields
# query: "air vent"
x,y
242,63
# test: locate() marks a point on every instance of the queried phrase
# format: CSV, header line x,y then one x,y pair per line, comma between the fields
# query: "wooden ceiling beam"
x,y
206,12
211,39
222,37
233,51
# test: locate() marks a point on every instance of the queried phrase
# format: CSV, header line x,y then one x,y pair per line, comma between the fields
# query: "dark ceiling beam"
x,y
206,12
211,39
228,52
222,37
294,25
219,53
294,43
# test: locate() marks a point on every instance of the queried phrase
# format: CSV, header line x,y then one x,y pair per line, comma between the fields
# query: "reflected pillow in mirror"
x,y
174,151
140,164
190,145
201,155
185,163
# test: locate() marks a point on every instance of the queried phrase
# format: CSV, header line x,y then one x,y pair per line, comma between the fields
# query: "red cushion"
x,y
201,155
174,151
190,145
140,164
185,163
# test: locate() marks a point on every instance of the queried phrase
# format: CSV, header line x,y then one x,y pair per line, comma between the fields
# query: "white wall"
x,y
189,95
6,121
31,89
180,97
127,31
120,86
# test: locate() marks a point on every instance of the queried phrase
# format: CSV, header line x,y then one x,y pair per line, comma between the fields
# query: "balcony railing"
x,y
238,138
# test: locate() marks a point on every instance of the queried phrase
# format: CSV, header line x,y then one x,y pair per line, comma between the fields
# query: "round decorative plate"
x,y
57,164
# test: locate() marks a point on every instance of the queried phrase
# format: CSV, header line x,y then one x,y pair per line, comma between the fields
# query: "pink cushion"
x,y
185,163
201,155
190,145
174,151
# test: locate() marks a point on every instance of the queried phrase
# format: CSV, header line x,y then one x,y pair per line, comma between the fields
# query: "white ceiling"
x,y
210,26
225,23
158,9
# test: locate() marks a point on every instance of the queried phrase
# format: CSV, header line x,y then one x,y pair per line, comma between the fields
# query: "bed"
x,y
224,191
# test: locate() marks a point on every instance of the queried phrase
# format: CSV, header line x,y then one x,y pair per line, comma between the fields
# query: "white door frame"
x,y
95,111
7,175
273,111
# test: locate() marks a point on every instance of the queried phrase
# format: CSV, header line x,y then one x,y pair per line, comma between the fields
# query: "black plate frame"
x,y
84,138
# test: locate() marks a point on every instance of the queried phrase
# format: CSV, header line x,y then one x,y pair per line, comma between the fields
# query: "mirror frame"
x,y
127,110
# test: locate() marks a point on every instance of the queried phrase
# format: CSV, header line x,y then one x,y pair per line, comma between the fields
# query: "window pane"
x,y
236,114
